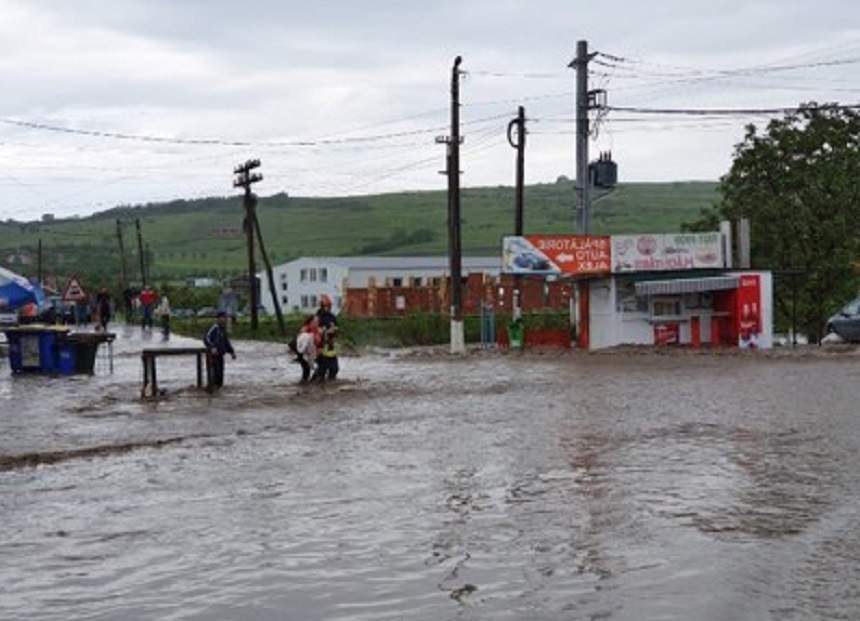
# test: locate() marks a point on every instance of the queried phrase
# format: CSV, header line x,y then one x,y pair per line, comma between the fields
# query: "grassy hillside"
x,y
204,237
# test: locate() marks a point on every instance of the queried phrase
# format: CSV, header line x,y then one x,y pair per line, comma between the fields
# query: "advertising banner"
x,y
680,251
556,254
748,314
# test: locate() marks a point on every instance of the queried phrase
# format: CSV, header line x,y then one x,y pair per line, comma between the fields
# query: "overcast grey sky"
x,y
281,71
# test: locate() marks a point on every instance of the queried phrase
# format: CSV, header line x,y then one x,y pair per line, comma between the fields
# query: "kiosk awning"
x,y
686,285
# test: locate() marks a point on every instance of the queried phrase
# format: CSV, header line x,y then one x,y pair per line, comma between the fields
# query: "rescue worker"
x,y
327,363
218,345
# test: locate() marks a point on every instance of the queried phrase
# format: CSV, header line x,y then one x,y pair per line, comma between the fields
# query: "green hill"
x,y
204,237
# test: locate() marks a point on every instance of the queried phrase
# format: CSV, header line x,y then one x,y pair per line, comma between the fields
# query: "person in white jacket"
x,y
306,346
163,312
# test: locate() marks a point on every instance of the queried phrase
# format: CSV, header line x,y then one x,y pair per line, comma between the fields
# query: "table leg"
x,y
199,371
145,362
154,379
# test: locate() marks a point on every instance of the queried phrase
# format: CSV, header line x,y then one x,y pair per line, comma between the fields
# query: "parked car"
x,y
846,323
208,311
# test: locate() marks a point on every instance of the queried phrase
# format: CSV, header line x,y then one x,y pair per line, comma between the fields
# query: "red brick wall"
x,y
536,295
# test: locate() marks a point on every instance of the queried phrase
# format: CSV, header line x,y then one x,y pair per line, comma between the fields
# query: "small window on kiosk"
x,y
663,306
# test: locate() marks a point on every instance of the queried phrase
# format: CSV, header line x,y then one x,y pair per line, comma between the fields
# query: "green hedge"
x,y
412,330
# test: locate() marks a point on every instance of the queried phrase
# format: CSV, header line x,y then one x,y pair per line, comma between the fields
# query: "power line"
x,y
726,111
227,142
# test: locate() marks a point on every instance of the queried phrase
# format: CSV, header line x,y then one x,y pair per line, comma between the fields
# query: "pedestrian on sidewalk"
x,y
218,345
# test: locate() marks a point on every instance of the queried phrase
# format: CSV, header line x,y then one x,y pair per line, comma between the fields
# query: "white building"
x,y
301,283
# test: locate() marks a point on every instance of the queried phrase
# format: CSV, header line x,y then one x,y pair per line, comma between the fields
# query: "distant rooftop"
x,y
435,262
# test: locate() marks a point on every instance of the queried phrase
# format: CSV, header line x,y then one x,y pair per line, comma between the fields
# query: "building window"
x,y
283,276
396,282
338,301
417,281
303,275
313,301
284,286
313,274
304,301
323,274
284,300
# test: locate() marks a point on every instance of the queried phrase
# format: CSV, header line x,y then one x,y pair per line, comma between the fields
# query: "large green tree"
x,y
798,182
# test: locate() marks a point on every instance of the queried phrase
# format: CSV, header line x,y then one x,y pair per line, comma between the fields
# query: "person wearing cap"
x,y
218,345
327,363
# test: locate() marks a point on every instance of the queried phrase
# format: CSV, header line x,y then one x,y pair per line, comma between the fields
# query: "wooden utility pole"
x,y
272,289
519,124
140,253
123,267
244,180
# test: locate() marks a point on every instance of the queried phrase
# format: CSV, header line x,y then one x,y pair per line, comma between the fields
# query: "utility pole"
x,y
458,341
520,145
272,289
124,282
244,180
40,276
583,200
140,253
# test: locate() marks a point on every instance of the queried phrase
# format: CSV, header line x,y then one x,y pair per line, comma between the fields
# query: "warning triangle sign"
x,y
73,291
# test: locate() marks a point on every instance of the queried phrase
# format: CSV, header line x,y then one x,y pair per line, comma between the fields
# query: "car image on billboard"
x,y
520,257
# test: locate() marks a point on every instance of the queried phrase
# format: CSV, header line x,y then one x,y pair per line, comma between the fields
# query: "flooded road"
x,y
490,487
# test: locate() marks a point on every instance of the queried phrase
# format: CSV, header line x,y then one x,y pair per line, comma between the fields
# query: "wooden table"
x,y
150,375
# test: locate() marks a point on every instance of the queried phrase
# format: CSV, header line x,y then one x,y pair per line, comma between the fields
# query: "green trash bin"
x,y
515,334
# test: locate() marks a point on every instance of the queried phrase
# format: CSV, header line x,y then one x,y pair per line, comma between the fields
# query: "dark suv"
x,y
846,323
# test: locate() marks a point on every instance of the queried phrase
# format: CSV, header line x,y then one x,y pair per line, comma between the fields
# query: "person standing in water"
x,y
103,308
218,345
327,363
163,312
306,346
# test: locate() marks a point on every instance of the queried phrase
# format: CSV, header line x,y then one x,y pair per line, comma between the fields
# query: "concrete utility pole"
x,y
124,282
140,253
244,180
583,200
520,145
458,339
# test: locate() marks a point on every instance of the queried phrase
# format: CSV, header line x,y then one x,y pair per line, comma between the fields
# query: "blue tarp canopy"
x,y
16,291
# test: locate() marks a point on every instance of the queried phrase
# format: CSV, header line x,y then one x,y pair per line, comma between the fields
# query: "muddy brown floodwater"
x,y
491,487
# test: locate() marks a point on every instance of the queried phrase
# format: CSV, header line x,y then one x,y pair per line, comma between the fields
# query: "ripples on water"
x,y
615,487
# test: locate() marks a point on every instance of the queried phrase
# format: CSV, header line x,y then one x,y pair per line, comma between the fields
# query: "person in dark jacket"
x,y
103,308
218,345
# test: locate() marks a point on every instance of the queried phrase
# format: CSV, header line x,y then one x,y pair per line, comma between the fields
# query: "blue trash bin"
x,y
47,352
66,358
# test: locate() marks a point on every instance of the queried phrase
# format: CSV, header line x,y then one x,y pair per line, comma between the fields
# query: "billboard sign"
x,y
677,251
569,255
